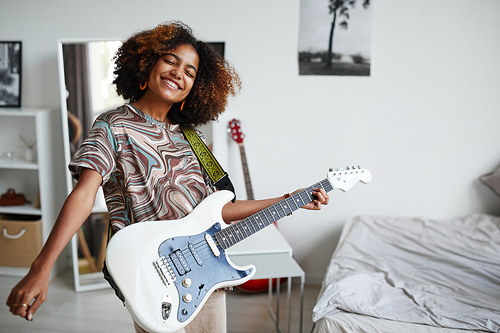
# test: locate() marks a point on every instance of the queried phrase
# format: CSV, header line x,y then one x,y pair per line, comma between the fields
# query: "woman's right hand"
x,y
27,296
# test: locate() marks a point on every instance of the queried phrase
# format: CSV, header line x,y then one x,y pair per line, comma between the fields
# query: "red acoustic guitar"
x,y
258,285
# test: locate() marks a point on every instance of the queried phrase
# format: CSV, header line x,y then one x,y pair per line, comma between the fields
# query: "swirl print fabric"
x,y
148,168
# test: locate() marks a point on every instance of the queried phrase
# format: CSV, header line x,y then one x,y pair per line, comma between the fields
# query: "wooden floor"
x,y
100,311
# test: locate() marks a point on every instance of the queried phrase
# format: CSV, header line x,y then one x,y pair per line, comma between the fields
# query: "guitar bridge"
x,y
165,270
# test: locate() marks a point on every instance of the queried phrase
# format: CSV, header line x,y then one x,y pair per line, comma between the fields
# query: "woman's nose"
x,y
176,72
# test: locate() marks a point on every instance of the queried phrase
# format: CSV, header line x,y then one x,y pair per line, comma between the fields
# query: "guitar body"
x,y
191,269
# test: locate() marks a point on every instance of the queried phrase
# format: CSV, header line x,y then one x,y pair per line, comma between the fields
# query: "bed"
x,y
395,274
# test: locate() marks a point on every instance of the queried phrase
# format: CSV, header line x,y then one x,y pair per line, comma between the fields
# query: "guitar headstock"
x,y
236,132
345,178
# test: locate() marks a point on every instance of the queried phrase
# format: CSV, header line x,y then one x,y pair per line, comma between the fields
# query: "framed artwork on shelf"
x,y
10,73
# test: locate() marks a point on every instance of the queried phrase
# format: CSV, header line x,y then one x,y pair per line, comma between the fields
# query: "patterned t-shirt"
x,y
148,168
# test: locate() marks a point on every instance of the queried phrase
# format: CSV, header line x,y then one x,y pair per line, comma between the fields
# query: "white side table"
x,y
272,256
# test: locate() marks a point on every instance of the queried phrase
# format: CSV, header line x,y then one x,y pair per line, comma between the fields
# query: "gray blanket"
x,y
441,273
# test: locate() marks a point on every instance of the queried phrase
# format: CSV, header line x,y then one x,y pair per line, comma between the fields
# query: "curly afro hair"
x,y
215,81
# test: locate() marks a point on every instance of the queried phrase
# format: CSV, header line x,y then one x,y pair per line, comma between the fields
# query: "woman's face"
x,y
173,75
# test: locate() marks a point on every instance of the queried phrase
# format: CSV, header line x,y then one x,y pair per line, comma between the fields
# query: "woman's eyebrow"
x,y
177,58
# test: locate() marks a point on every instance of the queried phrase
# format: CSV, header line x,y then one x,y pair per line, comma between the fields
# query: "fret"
x,y
262,222
269,216
275,216
326,185
312,196
231,237
244,226
298,199
308,192
235,234
243,231
228,237
221,240
291,202
283,208
250,222
238,233
253,223
277,212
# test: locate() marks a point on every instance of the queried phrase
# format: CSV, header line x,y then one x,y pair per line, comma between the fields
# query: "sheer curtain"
x,y
76,75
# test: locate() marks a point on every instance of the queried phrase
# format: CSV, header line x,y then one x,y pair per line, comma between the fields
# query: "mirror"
x,y
85,75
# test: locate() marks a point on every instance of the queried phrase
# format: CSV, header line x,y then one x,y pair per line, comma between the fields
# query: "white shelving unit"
x,y
35,179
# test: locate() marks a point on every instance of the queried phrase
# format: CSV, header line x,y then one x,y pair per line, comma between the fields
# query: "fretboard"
x,y
246,174
237,232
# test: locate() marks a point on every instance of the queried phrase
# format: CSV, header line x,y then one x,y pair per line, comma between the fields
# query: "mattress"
x,y
395,274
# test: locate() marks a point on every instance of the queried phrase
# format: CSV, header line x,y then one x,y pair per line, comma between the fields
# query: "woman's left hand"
x,y
322,198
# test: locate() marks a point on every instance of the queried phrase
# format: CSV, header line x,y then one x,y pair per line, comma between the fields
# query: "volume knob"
x,y
186,283
187,298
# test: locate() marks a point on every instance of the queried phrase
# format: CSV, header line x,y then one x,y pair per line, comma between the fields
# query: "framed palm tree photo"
x,y
335,37
10,73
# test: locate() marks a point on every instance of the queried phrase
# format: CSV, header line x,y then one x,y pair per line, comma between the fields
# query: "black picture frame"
x,y
219,47
10,73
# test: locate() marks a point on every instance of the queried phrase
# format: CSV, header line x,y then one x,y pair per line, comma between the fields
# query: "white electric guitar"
x,y
166,270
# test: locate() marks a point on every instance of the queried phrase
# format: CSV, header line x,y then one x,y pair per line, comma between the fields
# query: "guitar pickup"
x,y
195,254
212,245
180,262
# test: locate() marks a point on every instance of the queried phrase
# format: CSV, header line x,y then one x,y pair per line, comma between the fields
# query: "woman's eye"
x,y
188,73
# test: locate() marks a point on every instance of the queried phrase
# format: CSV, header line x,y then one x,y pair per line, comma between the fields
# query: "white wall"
x,y
426,123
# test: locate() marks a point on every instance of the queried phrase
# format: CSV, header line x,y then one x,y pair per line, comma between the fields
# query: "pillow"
x,y
492,180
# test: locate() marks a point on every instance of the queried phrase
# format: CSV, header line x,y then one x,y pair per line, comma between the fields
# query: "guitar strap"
x,y
220,178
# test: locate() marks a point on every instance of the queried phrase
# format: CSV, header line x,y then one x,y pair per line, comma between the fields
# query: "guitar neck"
x,y
246,174
237,232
